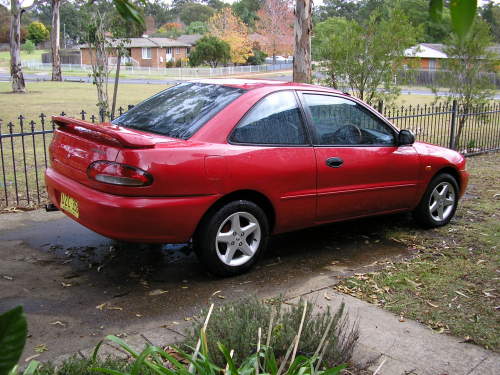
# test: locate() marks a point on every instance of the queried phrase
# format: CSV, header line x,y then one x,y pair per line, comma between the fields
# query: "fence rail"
x,y
24,143
167,72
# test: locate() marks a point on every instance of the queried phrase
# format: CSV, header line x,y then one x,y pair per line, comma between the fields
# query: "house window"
x,y
146,53
432,64
169,50
177,50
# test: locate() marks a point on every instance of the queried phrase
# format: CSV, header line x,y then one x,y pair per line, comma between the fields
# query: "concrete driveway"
x,y
77,286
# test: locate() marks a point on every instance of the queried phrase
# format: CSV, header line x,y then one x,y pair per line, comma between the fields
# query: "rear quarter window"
x,y
179,111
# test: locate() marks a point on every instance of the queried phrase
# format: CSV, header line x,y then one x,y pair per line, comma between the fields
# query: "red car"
x,y
228,162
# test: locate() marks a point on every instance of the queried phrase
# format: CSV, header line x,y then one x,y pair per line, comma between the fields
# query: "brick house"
x,y
147,52
431,55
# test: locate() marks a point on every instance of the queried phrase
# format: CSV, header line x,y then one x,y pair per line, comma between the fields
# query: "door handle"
x,y
334,162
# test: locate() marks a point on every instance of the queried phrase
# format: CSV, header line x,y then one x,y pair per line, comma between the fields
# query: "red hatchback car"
x,y
228,162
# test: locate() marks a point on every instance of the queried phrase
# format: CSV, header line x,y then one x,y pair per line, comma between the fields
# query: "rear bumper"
x,y
136,219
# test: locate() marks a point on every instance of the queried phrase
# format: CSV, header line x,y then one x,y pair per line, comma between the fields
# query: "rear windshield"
x,y
179,111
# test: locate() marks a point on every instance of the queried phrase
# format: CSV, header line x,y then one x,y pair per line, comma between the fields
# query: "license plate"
x,y
70,205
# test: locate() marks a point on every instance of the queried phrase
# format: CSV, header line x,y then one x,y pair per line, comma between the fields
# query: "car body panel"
x,y
370,180
191,176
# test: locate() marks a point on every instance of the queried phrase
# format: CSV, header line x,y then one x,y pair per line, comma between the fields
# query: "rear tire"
x,y
231,239
439,203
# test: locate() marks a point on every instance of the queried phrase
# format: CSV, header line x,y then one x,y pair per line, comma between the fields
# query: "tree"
x,y
197,27
226,26
37,32
258,57
247,10
275,27
216,4
16,72
348,9
98,49
490,12
210,50
302,31
465,71
195,12
365,57
55,41
161,13
28,47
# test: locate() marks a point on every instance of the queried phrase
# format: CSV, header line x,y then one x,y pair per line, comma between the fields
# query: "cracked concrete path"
x,y
76,287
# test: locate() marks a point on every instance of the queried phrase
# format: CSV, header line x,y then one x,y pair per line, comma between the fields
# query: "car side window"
x,y
339,121
276,119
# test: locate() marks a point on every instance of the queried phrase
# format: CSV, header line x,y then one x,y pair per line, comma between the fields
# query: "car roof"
x,y
251,84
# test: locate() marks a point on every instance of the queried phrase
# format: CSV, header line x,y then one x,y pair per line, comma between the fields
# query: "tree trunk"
x,y
16,72
55,41
117,80
302,54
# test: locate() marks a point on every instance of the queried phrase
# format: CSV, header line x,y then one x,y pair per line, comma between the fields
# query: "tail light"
x,y
110,172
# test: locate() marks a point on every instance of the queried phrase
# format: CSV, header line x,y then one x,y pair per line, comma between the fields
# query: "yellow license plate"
x,y
70,205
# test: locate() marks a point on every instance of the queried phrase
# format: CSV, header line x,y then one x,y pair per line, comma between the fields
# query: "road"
x,y
77,286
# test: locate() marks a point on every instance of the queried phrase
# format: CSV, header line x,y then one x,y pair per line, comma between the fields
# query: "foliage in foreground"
x,y
158,361
235,325
451,282
330,329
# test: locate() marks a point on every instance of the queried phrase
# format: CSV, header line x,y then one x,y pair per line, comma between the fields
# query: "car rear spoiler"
x,y
105,132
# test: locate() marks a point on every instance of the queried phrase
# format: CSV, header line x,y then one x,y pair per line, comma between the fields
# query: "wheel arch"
x,y
249,195
451,171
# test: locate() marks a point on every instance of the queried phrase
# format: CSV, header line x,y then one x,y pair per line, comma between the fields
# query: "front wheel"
x,y
439,203
231,239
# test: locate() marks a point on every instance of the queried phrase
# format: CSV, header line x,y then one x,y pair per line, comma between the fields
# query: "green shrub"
x,y
80,366
262,361
28,47
235,325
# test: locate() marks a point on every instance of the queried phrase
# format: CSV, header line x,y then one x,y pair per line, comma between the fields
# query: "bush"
x,y
80,366
258,57
235,325
28,47
38,32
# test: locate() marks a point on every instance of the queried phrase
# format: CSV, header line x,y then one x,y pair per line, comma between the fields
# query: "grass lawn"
x,y
35,56
71,97
451,283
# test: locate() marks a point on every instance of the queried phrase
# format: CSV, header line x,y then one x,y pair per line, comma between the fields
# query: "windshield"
x,y
179,111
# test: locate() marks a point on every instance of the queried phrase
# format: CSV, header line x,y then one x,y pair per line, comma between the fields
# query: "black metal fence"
x,y
24,143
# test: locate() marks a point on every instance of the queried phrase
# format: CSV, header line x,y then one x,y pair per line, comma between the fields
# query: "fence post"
x,y
454,113
380,106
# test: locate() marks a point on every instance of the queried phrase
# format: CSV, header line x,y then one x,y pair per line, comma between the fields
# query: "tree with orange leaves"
x,y
275,27
231,29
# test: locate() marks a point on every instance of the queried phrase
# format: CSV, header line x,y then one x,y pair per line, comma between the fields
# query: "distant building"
x,y
190,39
146,52
431,55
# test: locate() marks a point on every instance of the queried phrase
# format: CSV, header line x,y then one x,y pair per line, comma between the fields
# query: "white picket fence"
x,y
168,72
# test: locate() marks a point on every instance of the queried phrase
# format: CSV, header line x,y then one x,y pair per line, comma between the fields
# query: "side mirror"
x,y
406,138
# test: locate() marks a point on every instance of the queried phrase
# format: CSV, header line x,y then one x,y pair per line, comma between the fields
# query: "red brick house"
x,y
431,55
146,52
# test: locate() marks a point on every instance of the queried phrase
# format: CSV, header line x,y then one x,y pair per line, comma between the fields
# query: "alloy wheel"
x,y
238,239
442,201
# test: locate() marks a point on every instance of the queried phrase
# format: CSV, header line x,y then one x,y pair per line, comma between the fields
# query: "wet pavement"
x,y
77,286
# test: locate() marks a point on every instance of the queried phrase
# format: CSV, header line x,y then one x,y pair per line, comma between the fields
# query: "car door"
x,y
270,152
360,168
